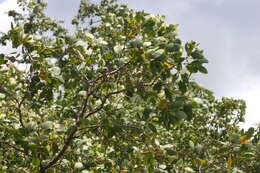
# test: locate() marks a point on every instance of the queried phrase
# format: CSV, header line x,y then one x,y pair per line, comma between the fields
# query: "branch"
x,y
70,138
14,147
8,93
11,95
81,115
7,106
114,93
90,127
20,115
61,152
109,73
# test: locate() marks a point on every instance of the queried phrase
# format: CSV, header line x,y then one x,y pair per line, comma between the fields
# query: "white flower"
x,y
81,43
83,93
36,37
35,54
119,26
55,71
89,52
98,102
78,165
2,96
84,147
150,16
198,100
89,36
12,81
156,18
50,61
65,161
147,44
107,24
162,166
85,171
111,14
2,116
118,48
4,67
101,42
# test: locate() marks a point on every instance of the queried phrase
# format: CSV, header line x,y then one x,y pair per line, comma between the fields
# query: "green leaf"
x,y
152,127
250,132
36,162
158,86
203,70
2,60
112,131
181,115
171,47
187,108
191,144
158,54
47,125
146,113
197,54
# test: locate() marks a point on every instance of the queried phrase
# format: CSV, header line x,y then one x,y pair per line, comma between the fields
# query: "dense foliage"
x,y
117,95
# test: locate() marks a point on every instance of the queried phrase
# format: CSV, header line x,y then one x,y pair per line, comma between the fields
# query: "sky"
x,y
228,31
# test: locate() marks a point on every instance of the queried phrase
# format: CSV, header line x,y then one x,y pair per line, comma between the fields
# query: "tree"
x,y
117,95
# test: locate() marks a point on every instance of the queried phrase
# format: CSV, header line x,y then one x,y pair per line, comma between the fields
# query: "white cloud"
x,y
249,91
5,24
5,6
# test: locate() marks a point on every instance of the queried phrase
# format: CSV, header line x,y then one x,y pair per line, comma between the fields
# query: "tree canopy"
x,y
116,95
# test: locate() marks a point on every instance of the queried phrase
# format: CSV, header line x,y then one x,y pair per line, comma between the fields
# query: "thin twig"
x,y
114,93
109,73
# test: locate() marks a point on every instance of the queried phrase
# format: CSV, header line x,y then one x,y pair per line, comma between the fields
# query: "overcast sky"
x,y
228,31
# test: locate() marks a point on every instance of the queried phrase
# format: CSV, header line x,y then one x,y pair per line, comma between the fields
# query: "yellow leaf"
x,y
146,152
143,55
229,162
42,75
155,119
124,171
132,34
202,162
166,63
244,140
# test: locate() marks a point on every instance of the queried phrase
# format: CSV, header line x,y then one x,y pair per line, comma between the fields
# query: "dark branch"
x,y
109,73
70,138
11,95
114,93
8,93
8,144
